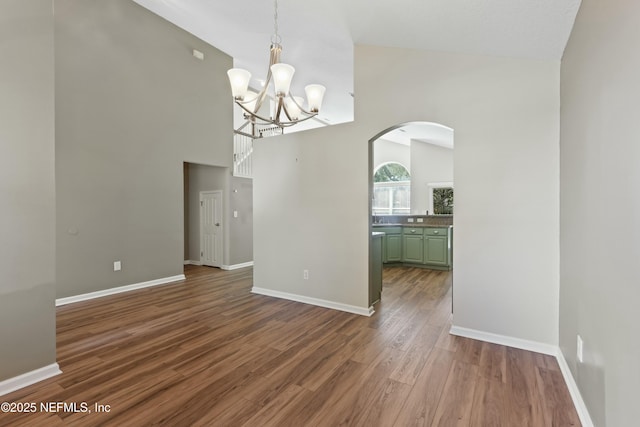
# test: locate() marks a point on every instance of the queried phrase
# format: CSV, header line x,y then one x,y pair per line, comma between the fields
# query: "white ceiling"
x,y
318,37
431,133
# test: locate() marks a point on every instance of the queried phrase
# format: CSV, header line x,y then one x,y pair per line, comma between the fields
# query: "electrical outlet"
x,y
409,219
420,219
305,274
117,266
580,349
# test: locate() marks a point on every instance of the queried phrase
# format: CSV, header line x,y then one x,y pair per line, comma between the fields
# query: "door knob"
x,y
217,224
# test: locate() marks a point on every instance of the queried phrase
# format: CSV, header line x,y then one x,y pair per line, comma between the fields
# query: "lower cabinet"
x,y
375,279
435,250
391,243
420,246
412,245
393,248
436,246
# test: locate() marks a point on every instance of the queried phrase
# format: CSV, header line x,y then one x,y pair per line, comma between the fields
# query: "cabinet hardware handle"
x,y
436,232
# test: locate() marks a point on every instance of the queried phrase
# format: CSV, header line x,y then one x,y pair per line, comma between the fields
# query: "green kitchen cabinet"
x,y
435,250
375,269
417,245
436,247
412,245
393,248
391,243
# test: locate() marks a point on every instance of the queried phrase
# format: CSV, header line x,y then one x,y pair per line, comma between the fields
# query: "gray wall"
x,y
311,189
429,163
27,211
385,151
600,208
241,227
132,103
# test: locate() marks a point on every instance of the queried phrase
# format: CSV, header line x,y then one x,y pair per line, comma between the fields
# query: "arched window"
x,y
391,190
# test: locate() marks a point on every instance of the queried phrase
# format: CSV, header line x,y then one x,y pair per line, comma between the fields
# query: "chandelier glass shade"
x,y
283,109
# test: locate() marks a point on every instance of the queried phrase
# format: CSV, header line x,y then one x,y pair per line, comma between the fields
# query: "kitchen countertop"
x,y
417,224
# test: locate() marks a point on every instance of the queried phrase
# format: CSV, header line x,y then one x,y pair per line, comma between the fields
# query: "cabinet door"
x,y
375,281
393,248
412,248
384,248
435,250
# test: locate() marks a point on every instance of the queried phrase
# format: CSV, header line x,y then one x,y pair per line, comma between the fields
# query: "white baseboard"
x,y
28,378
535,346
552,350
120,289
191,262
237,266
314,301
574,391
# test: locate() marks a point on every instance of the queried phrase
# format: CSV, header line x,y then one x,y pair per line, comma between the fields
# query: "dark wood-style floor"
x,y
207,352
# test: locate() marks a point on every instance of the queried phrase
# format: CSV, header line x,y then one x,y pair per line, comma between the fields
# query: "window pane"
x,y
391,198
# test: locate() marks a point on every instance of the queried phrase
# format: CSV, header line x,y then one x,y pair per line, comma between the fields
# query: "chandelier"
x,y
283,109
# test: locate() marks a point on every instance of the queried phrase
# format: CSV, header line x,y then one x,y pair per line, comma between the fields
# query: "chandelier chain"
x,y
276,37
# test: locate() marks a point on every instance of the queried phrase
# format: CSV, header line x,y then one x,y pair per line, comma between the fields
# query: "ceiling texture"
x,y
318,37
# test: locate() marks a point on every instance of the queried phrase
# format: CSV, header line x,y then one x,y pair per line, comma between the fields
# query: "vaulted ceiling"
x,y
318,37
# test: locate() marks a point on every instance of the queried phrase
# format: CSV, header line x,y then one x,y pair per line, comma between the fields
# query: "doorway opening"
x,y
205,201
232,240
414,208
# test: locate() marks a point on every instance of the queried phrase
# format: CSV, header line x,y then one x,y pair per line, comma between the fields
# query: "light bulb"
x,y
315,93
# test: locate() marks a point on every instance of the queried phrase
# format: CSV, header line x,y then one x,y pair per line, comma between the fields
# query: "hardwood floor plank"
x,y
332,397
523,407
420,406
236,413
493,362
488,409
555,398
345,408
275,413
385,402
411,364
454,407
207,352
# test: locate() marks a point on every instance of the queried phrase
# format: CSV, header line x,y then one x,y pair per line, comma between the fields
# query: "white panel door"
x,y
211,231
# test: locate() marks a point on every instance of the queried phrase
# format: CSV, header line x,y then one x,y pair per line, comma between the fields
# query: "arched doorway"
x,y
418,158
